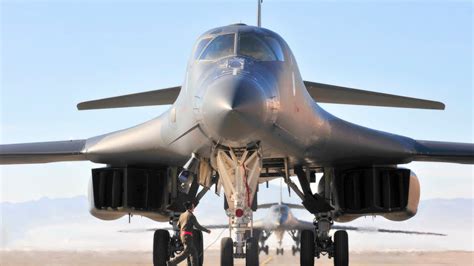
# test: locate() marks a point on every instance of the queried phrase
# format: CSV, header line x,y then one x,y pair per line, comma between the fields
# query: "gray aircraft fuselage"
x,y
234,100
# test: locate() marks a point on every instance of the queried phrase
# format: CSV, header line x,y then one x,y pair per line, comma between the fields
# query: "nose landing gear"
x,y
227,251
251,252
239,170
280,251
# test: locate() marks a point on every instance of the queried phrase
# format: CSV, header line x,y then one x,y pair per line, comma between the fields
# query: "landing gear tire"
x,y
161,241
307,248
294,250
251,253
280,251
341,248
227,252
265,249
199,244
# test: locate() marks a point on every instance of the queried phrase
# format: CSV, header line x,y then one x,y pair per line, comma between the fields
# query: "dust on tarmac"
x,y
122,258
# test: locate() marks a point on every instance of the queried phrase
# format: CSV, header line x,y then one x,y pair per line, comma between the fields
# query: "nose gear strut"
x,y
239,170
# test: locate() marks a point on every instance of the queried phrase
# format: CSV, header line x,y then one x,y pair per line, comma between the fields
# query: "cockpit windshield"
x,y
221,46
260,47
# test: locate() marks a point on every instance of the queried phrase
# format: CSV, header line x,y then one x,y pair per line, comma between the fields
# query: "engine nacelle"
x,y
150,192
393,193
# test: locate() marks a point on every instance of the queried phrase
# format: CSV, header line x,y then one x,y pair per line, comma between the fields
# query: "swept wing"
x,y
42,152
325,93
148,98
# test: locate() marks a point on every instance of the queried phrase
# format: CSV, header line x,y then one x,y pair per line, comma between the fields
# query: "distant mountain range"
x,y
65,223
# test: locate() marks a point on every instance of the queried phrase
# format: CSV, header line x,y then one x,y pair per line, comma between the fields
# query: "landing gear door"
x,y
205,174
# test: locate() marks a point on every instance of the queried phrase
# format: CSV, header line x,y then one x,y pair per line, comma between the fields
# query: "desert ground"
x,y
116,258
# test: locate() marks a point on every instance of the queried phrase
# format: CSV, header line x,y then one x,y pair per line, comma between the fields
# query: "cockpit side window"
x,y
202,43
276,47
221,46
262,48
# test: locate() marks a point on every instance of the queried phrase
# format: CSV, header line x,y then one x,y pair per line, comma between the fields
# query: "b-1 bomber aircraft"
x,y
242,115
280,220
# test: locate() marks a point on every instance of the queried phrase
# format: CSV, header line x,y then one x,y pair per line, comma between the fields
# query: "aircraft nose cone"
x,y
233,108
281,220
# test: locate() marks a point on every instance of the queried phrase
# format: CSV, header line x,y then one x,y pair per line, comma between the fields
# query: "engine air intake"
x,y
134,188
391,192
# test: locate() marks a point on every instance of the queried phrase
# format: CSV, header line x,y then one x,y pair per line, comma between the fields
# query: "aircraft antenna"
x,y
259,13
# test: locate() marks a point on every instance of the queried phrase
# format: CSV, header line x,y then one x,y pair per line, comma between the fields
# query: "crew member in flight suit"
x,y
186,223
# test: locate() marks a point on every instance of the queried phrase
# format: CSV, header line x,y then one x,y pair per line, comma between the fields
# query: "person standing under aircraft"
x,y
186,223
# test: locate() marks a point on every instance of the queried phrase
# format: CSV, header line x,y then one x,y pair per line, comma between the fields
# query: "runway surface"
x,y
122,258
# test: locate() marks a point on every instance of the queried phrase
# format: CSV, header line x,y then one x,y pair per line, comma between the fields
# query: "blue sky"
x,y
55,54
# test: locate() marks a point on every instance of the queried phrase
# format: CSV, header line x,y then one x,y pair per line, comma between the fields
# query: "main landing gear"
x,y
166,247
161,242
263,236
295,235
317,242
239,170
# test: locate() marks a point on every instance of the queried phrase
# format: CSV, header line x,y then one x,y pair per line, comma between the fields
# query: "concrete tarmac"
x,y
122,258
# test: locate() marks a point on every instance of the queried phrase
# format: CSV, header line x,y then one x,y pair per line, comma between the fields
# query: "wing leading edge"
x,y
42,152
325,93
148,98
